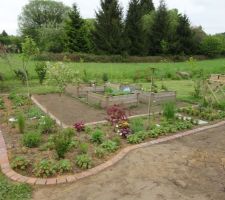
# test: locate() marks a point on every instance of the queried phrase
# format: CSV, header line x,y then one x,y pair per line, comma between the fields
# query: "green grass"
x,y
122,71
184,88
13,191
117,72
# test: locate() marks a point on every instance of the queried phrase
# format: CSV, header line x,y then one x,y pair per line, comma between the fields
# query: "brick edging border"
x,y
11,174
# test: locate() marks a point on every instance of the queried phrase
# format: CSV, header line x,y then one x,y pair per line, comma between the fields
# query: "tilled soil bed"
x,y
70,110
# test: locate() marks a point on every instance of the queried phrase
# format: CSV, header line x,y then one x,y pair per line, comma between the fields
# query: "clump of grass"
x,y
21,123
169,110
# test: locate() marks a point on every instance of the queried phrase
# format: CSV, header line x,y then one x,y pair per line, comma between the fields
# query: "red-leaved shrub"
x,y
79,126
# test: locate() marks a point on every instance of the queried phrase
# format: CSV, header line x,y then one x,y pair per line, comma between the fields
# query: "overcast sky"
x,y
208,13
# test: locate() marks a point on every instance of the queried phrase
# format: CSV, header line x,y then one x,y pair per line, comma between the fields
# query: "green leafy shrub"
x,y
97,136
34,112
109,146
20,163
45,168
31,139
21,123
169,110
64,166
41,70
105,77
83,161
62,143
100,152
83,148
46,125
137,125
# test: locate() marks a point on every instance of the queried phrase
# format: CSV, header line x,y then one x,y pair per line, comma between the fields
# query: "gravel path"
x,y
191,168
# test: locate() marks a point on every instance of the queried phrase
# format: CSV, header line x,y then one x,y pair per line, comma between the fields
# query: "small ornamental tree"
x,y
61,75
29,49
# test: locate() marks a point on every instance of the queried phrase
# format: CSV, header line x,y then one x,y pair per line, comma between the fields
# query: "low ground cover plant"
x,y
64,166
110,146
34,113
20,163
45,168
207,113
84,161
18,100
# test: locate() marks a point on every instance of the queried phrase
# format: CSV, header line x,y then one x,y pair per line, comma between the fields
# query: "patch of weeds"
x,y
34,112
100,152
137,125
46,125
83,148
14,191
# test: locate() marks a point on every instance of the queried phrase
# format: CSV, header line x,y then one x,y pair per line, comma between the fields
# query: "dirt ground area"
x,y
191,168
69,110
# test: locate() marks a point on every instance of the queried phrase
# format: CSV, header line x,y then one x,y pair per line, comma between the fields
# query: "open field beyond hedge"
x,y
118,72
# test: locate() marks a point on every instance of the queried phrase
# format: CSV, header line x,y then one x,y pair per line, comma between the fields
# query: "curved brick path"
x,y
10,173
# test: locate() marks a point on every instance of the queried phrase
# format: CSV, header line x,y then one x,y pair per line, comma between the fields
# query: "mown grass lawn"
x,y
13,191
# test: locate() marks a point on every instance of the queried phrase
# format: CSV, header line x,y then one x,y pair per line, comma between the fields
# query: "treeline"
x,y
144,31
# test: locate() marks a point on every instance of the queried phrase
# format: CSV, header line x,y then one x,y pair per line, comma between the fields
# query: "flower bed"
x,y
38,147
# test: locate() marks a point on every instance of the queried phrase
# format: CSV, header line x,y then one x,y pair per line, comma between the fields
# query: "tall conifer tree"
x,y
133,29
184,35
159,31
77,39
109,29
147,6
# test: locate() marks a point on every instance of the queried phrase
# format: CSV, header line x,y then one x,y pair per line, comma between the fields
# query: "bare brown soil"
x,y
191,168
70,110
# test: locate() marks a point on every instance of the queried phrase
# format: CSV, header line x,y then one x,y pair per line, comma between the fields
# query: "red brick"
x,y
51,181
61,180
41,181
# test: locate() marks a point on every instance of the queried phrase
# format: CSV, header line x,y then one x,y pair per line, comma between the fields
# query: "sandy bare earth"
x,y
69,110
190,168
